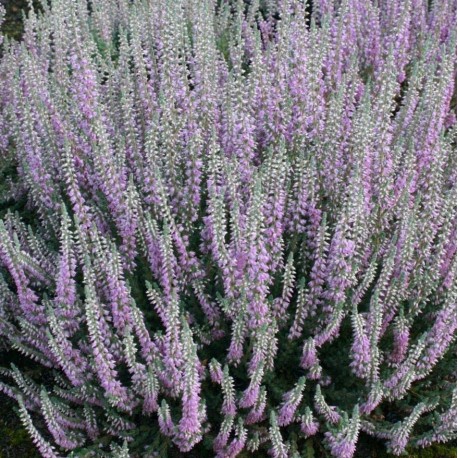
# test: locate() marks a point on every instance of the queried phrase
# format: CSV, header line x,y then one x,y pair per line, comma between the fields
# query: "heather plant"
x,y
228,227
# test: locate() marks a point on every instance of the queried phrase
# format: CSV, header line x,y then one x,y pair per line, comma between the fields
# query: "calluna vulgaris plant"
x,y
236,226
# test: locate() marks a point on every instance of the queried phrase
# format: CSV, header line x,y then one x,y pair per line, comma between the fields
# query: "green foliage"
x,y
14,439
13,26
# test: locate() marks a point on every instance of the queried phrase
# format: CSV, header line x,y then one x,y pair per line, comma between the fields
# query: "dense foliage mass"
x,y
234,226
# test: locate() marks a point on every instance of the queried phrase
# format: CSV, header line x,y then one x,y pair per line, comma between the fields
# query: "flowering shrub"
x,y
235,229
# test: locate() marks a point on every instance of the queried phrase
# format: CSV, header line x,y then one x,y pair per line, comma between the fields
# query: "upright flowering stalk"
x,y
309,426
360,347
46,450
399,435
322,407
291,401
343,442
279,449
103,359
189,429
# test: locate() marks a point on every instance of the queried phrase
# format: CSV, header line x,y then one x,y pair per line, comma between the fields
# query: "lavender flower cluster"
x,y
243,230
